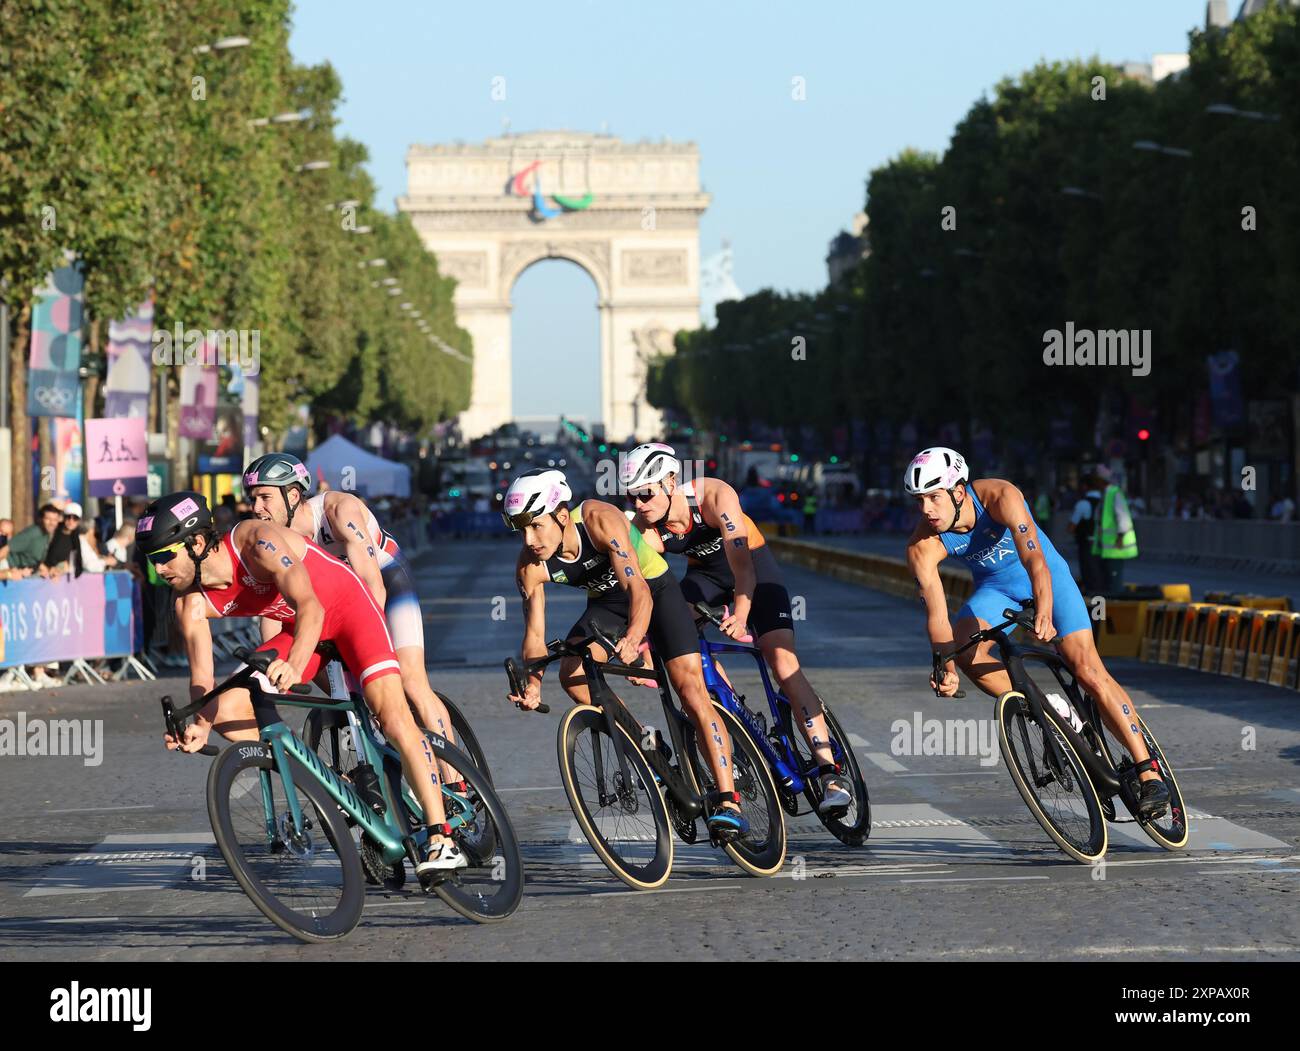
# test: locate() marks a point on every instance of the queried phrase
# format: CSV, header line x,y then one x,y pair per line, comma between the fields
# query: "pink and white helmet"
x,y
647,464
531,495
935,468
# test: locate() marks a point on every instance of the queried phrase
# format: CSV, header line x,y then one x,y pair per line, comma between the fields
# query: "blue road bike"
x,y
795,770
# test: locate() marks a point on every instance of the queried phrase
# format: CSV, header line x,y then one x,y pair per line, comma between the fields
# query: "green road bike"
x,y
299,835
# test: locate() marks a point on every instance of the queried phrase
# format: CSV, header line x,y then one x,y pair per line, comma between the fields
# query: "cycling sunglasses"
x,y
164,555
643,497
519,521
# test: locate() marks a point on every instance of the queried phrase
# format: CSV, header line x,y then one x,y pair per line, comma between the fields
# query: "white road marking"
x,y
957,773
886,763
858,741
974,879
97,809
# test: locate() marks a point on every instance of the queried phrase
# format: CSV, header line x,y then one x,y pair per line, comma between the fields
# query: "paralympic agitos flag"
x,y
53,384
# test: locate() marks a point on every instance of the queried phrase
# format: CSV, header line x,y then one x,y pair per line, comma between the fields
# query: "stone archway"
x,y
626,213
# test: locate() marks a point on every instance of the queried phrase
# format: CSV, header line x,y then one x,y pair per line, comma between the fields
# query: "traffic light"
x,y
794,457
1143,434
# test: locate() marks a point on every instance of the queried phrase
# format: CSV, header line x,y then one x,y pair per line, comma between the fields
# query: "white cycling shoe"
x,y
443,856
835,794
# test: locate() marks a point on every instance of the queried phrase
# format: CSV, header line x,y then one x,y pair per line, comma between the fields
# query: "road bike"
x,y
794,768
1066,763
285,820
630,789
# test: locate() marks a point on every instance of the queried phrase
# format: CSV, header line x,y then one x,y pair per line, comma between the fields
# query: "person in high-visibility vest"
x,y
1114,540
810,513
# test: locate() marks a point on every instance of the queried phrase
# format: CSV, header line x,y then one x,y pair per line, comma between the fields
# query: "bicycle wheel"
x,y
1053,782
761,851
626,824
309,885
1171,830
854,826
491,886
466,740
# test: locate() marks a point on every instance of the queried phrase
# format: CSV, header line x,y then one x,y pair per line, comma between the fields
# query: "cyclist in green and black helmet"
x,y
283,471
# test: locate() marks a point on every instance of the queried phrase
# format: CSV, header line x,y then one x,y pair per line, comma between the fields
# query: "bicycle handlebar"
x,y
1021,618
253,661
711,615
558,649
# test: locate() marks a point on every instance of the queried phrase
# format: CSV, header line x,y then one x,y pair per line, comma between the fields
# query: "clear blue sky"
x,y
785,176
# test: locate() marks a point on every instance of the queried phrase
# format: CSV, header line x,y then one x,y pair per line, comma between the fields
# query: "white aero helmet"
x,y
535,494
936,468
647,464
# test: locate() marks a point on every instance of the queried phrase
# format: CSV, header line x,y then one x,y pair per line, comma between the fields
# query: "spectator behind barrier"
x,y
27,549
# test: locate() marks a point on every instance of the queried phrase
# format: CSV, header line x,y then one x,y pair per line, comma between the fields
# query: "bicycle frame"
x,y
273,733
1013,656
788,766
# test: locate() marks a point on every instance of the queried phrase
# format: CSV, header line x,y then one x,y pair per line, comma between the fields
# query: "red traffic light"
x,y
1143,434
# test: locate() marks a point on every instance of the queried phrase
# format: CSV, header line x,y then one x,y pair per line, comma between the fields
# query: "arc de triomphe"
x,y
627,213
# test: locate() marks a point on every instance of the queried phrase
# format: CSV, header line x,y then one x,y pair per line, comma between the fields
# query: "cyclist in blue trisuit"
x,y
987,524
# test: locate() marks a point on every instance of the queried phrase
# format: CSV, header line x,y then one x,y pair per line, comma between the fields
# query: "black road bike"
x,y
630,789
1066,763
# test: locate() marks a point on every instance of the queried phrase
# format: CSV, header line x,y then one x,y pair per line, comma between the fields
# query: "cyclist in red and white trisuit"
x,y
276,484
259,569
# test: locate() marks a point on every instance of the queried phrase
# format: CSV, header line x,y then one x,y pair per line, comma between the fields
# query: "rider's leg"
x,y
234,719
677,642
1117,708
384,695
982,665
686,673
405,623
429,708
610,618
778,649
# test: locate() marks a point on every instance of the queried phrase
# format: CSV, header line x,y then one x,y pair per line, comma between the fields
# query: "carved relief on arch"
x,y
593,256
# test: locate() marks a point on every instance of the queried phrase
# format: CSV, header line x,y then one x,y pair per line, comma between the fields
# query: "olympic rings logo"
x,y
53,397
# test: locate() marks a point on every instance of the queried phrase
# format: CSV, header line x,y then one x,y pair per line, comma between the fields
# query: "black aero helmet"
x,y
281,470
172,519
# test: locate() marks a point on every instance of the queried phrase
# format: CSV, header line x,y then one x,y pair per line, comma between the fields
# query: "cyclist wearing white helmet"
x,y
728,561
988,525
277,485
630,593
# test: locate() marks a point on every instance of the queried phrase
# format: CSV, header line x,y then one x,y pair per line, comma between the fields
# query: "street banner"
x,y
126,387
53,385
1225,389
68,459
199,396
117,457
93,615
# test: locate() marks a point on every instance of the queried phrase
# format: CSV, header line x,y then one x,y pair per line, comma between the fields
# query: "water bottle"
x,y
367,785
1066,711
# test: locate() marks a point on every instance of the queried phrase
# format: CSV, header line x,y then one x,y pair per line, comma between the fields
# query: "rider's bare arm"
x,y
347,518
924,553
267,552
530,576
608,528
1006,504
720,508
190,610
